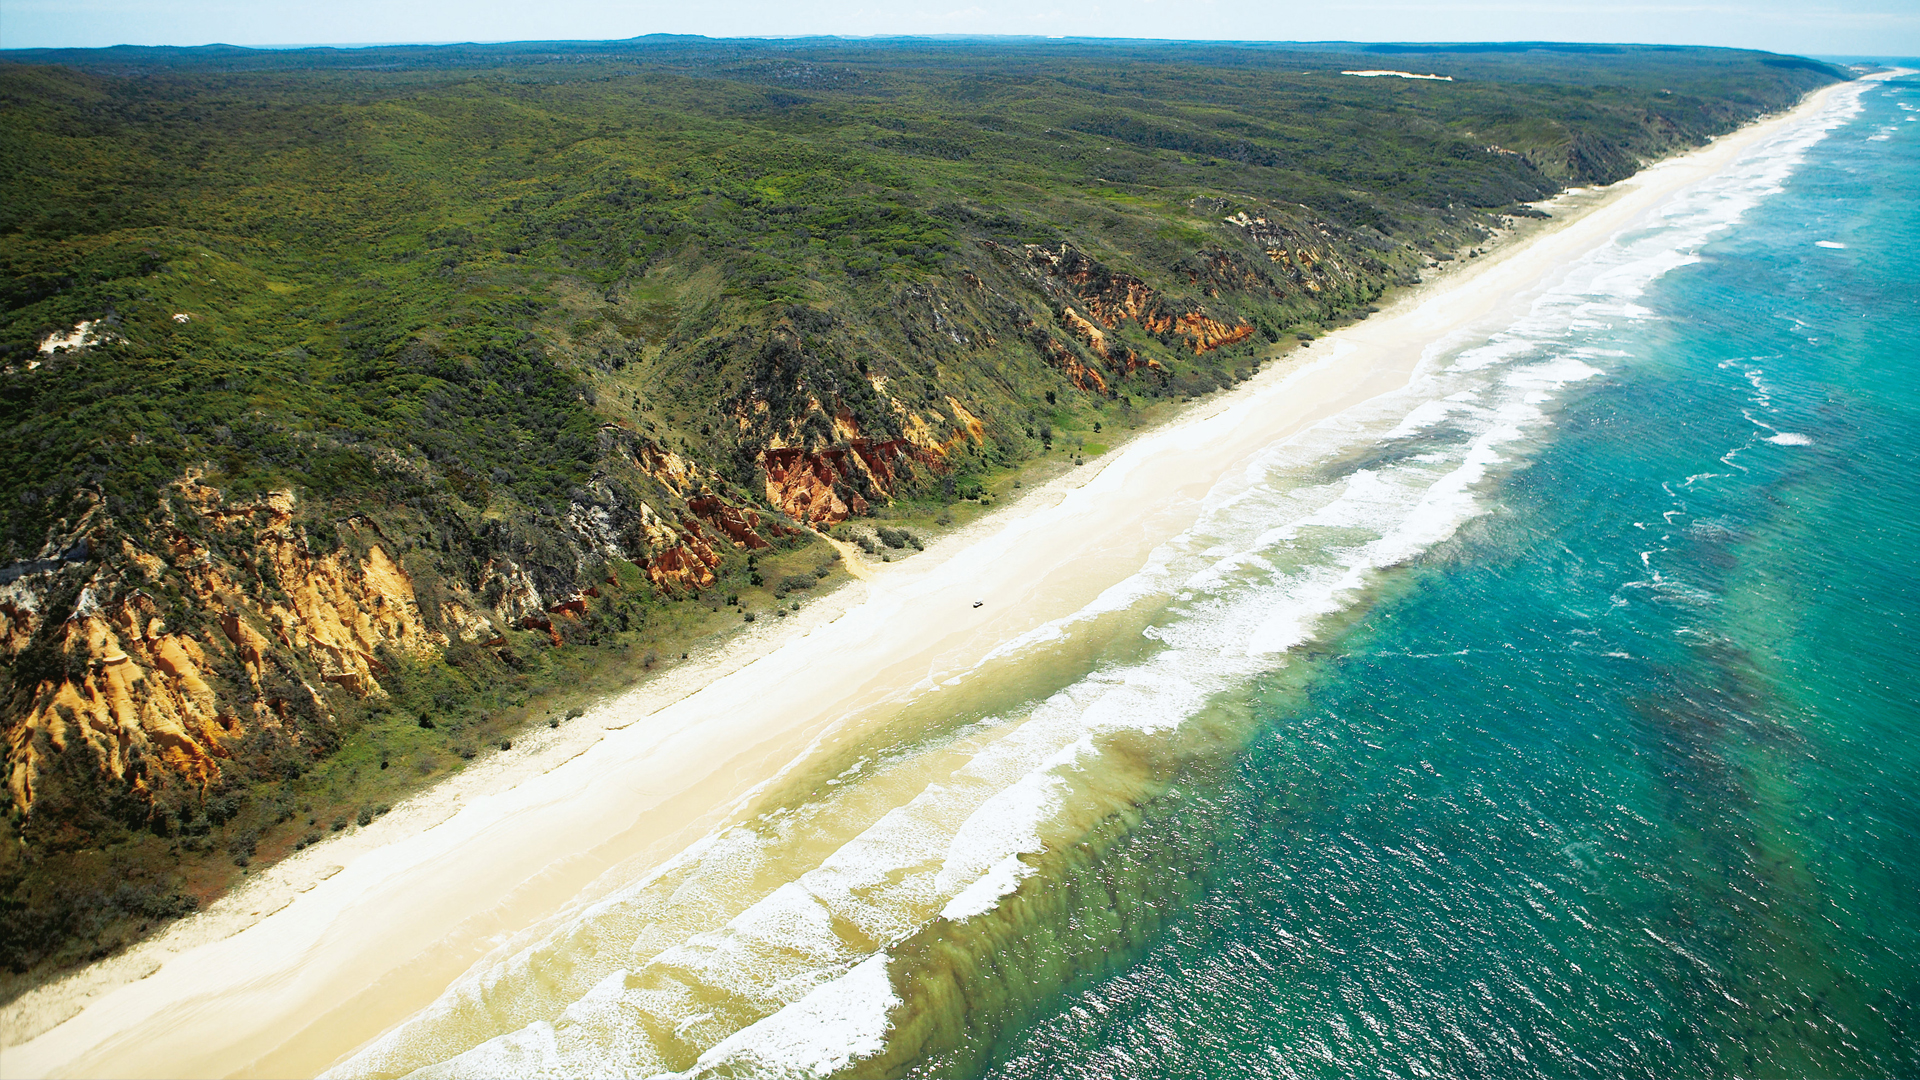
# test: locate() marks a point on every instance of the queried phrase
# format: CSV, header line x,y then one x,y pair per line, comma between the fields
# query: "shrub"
x,y
242,845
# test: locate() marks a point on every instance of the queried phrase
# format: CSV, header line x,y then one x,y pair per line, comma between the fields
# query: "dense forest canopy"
x,y
349,393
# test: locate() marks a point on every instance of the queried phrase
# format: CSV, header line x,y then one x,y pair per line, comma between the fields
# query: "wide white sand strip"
x,y
370,944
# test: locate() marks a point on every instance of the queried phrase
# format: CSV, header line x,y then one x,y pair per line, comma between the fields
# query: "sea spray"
x,y
1022,789
712,963
1618,782
968,971
1088,905
1266,564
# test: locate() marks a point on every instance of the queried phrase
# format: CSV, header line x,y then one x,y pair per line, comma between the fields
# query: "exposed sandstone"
x,y
803,485
971,426
1109,300
824,487
686,566
282,614
738,524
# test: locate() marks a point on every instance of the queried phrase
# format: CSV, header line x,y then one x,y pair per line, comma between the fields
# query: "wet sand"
x,y
331,948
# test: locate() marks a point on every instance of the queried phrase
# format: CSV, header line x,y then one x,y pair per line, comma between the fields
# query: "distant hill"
x,y
361,401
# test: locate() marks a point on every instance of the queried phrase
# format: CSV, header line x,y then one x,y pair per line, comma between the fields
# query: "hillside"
x,y
364,404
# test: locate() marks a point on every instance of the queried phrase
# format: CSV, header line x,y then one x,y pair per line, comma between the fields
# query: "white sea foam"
x,y
1828,244
1790,438
984,895
786,975
837,1024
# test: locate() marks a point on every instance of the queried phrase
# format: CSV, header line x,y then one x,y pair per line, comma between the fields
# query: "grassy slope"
x,y
422,280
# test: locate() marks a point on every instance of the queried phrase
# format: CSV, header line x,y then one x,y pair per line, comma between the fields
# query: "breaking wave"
x,y
958,874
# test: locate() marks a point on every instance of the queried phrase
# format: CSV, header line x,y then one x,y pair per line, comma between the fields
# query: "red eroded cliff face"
x,y
811,487
1111,299
686,566
823,487
223,628
132,690
1301,258
273,621
736,523
1203,332
1082,375
683,556
841,480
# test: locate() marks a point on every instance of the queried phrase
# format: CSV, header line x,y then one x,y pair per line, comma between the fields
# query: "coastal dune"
x,y
381,938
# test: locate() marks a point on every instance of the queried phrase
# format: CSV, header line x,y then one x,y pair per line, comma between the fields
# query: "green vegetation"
x,y
450,251
468,301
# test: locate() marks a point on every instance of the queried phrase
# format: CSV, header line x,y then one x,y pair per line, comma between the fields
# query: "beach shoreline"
x,y
331,947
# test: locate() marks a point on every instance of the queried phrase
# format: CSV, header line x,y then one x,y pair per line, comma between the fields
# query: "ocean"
x,y
1553,716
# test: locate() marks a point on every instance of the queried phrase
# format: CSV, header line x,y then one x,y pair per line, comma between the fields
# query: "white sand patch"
x,y
1375,74
293,990
87,333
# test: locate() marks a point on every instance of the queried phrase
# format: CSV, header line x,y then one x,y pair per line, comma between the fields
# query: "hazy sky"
x,y
1869,27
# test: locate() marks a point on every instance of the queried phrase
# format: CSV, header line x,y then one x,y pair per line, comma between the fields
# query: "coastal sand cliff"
x,y
336,945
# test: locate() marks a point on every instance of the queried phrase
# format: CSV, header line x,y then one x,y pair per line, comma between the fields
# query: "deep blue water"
x,y
1624,778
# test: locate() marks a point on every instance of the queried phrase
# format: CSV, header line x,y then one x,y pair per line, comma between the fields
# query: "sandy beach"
x,y
327,950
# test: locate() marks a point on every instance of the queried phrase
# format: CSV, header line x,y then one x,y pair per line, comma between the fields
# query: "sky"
x,y
1842,27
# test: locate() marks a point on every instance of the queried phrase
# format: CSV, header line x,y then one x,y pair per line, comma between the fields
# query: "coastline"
x,y
335,945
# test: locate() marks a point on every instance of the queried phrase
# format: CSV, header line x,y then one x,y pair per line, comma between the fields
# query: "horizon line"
x,y
448,42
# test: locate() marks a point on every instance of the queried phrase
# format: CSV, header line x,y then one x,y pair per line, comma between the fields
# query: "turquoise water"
x,y
1622,778
1551,716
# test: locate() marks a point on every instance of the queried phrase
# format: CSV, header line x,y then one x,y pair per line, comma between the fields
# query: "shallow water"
x,y
1621,780
1544,718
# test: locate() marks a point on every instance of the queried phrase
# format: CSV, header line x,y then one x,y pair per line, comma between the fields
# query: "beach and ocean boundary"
x,y
417,899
